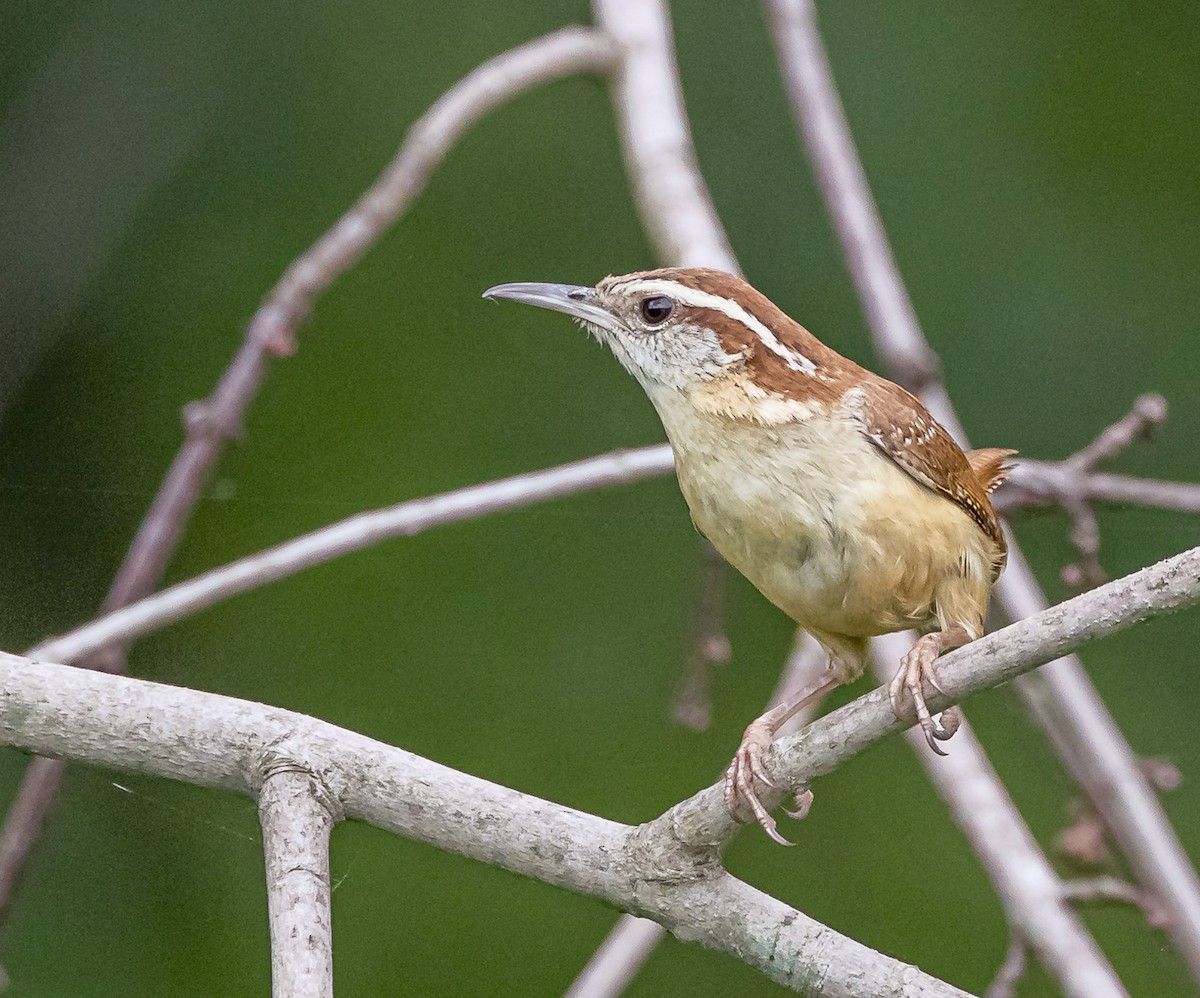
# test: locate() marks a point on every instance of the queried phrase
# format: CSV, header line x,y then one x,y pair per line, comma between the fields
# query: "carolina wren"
x,y
830,488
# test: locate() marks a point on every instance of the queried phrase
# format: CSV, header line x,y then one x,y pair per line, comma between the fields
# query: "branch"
x,y
1029,890
660,157
405,519
667,869
272,332
1062,699
1066,484
708,645
996,658
222,742
297,815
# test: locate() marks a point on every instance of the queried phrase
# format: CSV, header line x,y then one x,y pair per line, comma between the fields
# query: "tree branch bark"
x,y
216,741
297,814
667,869
702,821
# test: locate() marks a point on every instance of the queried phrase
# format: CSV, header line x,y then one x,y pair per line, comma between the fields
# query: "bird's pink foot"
x,y
741,794
916,669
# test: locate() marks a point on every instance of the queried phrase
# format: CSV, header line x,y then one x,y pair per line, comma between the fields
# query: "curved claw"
x,y
931,736
916,669
804,803
740,777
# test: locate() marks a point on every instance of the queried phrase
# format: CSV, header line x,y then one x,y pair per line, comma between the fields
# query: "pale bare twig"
x,y
1029,890
1065,484
708,645
1148,411
660,158
1011,970
847,195
272,333
1091,890
1061,697
1123,490
1075,893
353,534
297,814
668,869
612,968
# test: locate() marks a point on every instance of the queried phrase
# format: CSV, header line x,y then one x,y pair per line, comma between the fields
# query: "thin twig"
x,y
1075,893
1061,697
612,968
1066,484
1091,890
709,644
1029,890
353,534
1049,483
660,158
272,333
297,814
1011,970
1148,412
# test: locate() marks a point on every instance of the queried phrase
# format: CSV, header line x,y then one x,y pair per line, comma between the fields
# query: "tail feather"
x,y
989,466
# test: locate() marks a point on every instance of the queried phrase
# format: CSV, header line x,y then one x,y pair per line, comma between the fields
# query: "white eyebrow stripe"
x,y
704,299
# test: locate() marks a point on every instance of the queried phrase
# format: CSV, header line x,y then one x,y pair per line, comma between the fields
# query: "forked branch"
x,y
668,869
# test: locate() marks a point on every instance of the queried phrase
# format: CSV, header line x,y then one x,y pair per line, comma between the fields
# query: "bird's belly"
x,y
840,539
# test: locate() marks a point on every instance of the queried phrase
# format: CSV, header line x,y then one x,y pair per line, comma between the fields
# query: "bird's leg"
x,y
747,764
916,669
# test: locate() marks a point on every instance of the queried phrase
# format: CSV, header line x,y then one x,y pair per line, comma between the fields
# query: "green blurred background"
x,y
1038,168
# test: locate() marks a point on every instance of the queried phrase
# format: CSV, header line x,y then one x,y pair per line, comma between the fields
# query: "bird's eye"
x,y
657,310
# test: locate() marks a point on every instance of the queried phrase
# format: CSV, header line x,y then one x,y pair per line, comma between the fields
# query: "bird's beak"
x,y
576,301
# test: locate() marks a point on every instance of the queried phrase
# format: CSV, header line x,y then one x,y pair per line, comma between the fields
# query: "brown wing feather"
x,y
900,426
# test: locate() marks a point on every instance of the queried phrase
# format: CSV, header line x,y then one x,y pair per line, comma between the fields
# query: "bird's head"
x,y
677,328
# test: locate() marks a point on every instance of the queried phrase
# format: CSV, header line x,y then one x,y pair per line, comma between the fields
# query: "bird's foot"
x,y
741,792
916,669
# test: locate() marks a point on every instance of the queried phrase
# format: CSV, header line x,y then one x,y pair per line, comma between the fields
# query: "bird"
x,y
830,488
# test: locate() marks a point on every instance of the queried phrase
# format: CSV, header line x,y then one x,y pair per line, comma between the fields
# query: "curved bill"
x,y
572,299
